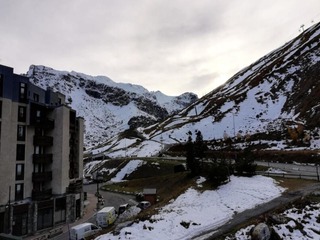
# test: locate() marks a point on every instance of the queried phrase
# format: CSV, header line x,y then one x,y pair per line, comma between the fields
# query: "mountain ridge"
x,y
108,107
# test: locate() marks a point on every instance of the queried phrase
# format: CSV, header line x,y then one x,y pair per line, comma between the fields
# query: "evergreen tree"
x,y
190,152
245,163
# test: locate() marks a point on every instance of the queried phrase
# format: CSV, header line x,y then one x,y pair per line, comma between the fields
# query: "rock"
x,y
261,232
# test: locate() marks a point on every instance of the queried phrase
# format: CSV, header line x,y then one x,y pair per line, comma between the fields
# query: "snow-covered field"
x,y
196,211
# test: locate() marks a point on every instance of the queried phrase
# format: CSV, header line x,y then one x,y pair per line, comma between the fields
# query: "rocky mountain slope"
x,y
109,107
274,102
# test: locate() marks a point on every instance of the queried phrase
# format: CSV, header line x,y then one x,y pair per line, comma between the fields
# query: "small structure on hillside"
x,y
150,194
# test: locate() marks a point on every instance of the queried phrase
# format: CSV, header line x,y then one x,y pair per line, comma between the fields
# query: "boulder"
x,y
261,232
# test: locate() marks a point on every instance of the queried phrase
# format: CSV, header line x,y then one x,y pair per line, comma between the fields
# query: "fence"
x,y
289,175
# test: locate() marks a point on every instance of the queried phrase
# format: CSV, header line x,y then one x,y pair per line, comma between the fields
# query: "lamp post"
x,y
9,211
97,194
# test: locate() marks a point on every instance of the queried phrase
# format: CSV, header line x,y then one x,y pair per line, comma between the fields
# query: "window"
x,y
38,132
19,171
45,218
38,150
38,114
21,135
60,210
23,92
36,97
22,114
0,109
18,192
1,85
20,152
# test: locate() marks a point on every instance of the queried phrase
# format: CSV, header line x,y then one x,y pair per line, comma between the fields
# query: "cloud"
x,y
172,46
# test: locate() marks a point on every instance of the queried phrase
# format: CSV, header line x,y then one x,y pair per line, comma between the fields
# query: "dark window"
x,y
22,114
0,109
19,171
45,217
21,134
23,92
1,85
36,97
18,192
38,132
60,210
20,151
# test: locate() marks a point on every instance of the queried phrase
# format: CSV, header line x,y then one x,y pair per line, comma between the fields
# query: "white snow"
x,y
127,170
202,211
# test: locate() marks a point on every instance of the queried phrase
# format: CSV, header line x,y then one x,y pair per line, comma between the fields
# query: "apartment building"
x,y
41,150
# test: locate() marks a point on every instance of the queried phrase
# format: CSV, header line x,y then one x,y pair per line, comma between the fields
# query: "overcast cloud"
x,y
174,46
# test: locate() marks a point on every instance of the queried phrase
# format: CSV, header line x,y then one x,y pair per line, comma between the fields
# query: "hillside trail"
x,y
254,213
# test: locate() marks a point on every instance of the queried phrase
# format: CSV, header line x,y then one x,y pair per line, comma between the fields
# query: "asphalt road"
x,y
110,198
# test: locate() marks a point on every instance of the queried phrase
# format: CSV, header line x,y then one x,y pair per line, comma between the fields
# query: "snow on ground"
x,y
275,170
307,217
127,170
195,212
90,167
302,224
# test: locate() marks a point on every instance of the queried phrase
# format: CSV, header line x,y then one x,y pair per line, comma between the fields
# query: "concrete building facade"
x,y
41,152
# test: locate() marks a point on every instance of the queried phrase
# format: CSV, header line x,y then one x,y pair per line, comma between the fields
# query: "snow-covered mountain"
x,y
109,107
275,100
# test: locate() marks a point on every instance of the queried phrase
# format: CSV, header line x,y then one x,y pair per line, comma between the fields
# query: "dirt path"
x,y
250,214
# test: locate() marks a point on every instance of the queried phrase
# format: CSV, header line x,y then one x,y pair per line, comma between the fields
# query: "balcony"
x,y
44,123
42,158
42,177
75,187
41,195
43,141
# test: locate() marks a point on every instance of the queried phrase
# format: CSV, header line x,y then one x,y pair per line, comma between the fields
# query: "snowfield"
x,y
195,211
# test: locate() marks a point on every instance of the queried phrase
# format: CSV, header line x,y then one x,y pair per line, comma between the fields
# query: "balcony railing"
x,y
75,187
44,141
41,195
44,123
42,176
42,158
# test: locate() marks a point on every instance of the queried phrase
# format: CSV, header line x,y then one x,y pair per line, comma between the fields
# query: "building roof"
x,y
149,191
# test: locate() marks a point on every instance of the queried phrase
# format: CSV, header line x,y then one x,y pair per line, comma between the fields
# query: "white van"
x,y
106,216
83,230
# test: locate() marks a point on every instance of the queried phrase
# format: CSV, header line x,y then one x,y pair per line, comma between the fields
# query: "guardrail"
x,y
289,175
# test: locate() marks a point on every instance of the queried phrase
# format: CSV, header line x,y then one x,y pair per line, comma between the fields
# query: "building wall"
x,y
60,166
7,151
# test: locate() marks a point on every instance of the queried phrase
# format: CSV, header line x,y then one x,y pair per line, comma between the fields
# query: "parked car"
x,y
83,231
123,208
144,204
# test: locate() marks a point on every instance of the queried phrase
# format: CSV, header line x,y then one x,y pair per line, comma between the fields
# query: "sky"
x,y
174,46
